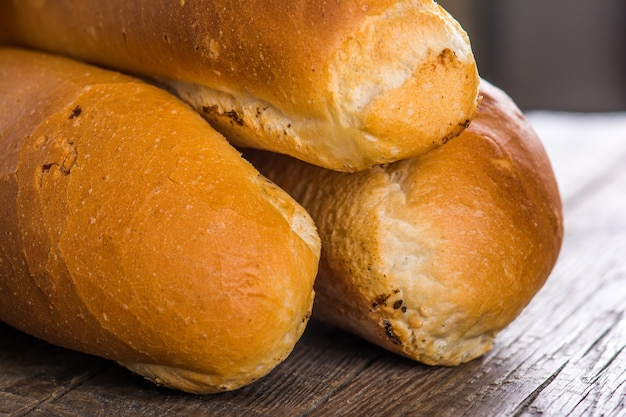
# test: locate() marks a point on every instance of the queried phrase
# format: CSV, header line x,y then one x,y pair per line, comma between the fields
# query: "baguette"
x,y
340,84
132,230
432,256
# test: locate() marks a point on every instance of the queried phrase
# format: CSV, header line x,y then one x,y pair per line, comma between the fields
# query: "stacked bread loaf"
x,y
432,256
132,228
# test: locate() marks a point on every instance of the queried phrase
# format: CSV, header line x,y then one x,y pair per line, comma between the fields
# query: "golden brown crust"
x,y
341,84
431,257
133,231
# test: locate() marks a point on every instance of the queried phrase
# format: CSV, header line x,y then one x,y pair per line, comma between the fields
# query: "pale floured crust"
x,y
431,257
344,85
133,231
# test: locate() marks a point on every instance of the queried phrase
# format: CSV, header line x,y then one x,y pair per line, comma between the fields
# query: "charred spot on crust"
x,y
75,112
460,128
45,168
446,57
213,110
234,116
380,300
390,334
63,166
307,316
210,109
398,304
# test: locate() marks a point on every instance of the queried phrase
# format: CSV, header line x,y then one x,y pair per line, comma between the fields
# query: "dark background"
x,y
550,54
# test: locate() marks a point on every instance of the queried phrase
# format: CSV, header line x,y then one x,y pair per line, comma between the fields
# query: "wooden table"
x,y
565,355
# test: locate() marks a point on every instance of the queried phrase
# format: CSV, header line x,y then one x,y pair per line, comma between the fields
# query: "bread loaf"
x,y
432,256
340,84
131,230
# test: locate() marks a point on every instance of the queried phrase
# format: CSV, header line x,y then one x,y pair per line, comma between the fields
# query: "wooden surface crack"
x,y
61,391
619,315
339,387
594,379
522,408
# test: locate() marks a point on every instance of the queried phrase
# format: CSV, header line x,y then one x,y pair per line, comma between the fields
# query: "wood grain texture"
x,y
565,355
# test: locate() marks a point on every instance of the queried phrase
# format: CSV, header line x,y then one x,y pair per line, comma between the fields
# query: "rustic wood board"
x,y
565,355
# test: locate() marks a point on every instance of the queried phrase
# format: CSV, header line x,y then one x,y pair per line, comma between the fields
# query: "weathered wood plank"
x,y
33,372
324,360
581,146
